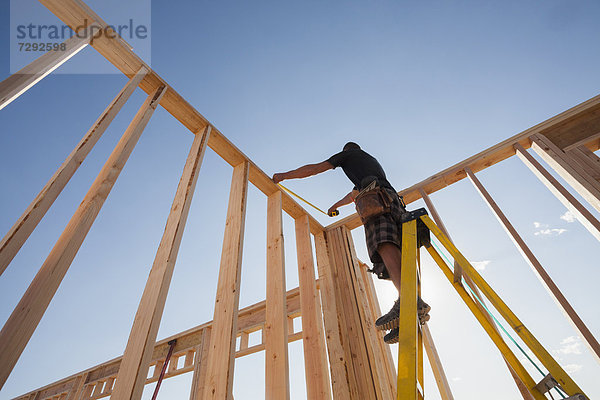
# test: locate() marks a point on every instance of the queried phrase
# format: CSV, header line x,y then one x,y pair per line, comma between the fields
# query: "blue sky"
x,y
420,85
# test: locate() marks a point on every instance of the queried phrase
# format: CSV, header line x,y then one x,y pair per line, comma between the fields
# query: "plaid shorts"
x,y
384,228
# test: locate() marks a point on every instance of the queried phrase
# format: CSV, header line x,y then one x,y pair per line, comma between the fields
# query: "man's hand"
x,y
279,177
331,210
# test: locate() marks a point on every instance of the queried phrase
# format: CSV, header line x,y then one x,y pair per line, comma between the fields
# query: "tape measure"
x,y
334,213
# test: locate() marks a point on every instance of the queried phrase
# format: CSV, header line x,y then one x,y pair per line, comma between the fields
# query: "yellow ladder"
x,y
410,342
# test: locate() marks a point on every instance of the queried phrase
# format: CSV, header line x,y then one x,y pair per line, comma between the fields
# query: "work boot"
x,y
392,336
390,320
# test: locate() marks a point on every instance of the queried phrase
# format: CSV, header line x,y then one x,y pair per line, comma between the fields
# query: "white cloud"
x,y
568,216
570,345
550,232
545,230
456,379
572,368
480,265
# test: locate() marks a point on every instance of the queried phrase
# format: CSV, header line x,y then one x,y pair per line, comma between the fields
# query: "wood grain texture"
x,y
275,332
568,169
436,365
20,231
19,82
440,223
219,382
134,367
337,358
23,321
315,355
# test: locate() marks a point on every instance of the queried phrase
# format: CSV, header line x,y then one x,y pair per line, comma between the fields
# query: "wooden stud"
x,y
200,365
586,160
20,231
315,361
439,222
275,332
19,82
528,255
570,171
189,358
23,321
77,389
384,349
173,364
337,357
360,376
158,366
121,55
134,367
244,338
219,382
562,194
377,359
436,365
250,319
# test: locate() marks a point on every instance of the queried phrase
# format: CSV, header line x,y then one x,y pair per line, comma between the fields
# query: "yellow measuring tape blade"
x,y
301,198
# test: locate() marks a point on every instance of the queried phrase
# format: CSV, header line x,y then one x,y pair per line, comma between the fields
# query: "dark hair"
x,y
351,146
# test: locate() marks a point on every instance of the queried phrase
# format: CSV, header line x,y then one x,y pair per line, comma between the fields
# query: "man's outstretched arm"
x,y
303,172
349,198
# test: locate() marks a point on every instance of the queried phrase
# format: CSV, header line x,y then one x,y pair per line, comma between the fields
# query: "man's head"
x,y
351,146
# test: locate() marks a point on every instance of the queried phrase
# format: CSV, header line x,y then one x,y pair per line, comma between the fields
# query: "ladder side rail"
x,y
534,345
408,323
507,353
556,294
438,220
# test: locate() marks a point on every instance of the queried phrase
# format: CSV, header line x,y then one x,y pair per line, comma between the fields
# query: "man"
x,y
383,232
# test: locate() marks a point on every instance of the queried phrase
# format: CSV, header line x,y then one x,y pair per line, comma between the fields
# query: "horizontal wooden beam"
x,y
118,52
499,152
250,319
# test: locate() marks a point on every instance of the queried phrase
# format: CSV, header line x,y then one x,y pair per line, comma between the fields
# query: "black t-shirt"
x,y
357,165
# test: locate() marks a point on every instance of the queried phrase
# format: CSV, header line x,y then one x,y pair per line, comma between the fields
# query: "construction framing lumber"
x,y
20,231
74,13
337,357
558,373
134,367
588,123
199,378
360,363
575,175
440,223
19,82
507,353
219,382
581,213
249,319
375,312
277,377
586,218
436,364
315,355
23,321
